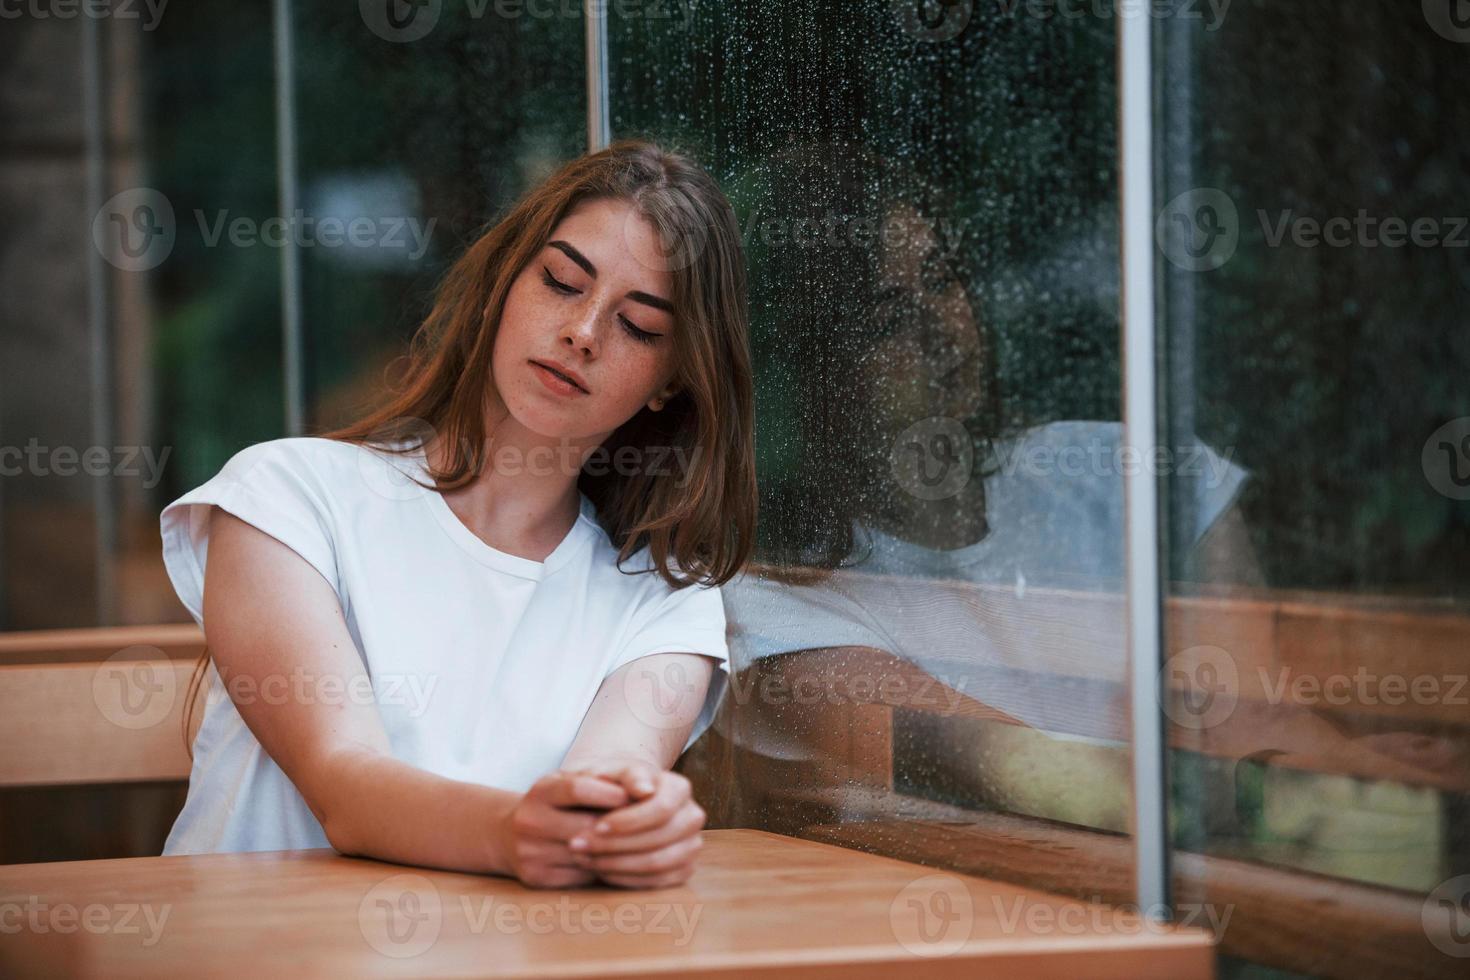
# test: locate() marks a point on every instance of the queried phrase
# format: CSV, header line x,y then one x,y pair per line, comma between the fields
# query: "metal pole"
x,y
1150,825
599,129
99,317
287,180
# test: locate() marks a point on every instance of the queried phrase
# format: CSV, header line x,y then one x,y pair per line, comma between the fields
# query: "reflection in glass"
x,y
935,629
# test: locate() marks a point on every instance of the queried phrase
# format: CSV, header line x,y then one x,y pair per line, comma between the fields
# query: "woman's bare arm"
x,y
633,732
270,617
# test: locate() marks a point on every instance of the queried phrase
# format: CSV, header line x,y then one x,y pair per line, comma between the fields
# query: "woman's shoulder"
x,y
326,463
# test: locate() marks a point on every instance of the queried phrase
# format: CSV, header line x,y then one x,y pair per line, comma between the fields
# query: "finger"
x,y
567,877
671,794
689,819
639,778
571,790
541,821
666,858
671,879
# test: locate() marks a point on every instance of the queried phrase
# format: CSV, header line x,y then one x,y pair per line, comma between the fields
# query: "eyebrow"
x,y
638,295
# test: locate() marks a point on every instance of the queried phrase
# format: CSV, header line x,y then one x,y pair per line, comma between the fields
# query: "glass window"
x,y
929,211
1312,286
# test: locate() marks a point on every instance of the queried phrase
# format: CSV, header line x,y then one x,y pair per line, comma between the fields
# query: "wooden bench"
x,y
96,706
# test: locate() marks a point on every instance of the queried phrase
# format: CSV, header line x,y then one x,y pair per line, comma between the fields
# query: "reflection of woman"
x,y
893,335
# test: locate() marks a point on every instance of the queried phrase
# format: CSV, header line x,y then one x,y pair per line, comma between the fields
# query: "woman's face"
x,y
595,304
931,360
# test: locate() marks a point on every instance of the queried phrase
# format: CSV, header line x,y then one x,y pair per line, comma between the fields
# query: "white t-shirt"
x,y
482,663
1055,511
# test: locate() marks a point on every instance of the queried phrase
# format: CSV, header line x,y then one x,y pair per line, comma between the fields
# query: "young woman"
x,y
475,629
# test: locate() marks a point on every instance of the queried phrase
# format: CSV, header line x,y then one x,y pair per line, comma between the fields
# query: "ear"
x,y
656,403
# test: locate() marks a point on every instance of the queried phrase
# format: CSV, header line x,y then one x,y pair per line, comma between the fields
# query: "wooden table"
x,y
758,904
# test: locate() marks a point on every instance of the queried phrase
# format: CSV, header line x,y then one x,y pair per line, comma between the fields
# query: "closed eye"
x,y
634,331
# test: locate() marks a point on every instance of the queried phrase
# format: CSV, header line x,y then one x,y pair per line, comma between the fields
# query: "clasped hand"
x,y
632,825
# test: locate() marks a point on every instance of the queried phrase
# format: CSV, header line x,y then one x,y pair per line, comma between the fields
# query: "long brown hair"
x,y
704,520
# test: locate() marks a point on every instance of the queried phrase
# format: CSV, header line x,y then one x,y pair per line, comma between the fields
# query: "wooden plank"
x,y
758,905
115,721
173,641
815,684
1291,920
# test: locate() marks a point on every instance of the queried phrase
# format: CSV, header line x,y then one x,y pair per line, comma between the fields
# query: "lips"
x,y
564,373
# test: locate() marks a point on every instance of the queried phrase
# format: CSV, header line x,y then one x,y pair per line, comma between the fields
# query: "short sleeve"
x,y
687,620
769,617
1208,484
271,486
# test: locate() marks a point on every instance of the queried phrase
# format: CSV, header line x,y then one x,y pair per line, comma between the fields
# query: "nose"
x,y
580,334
